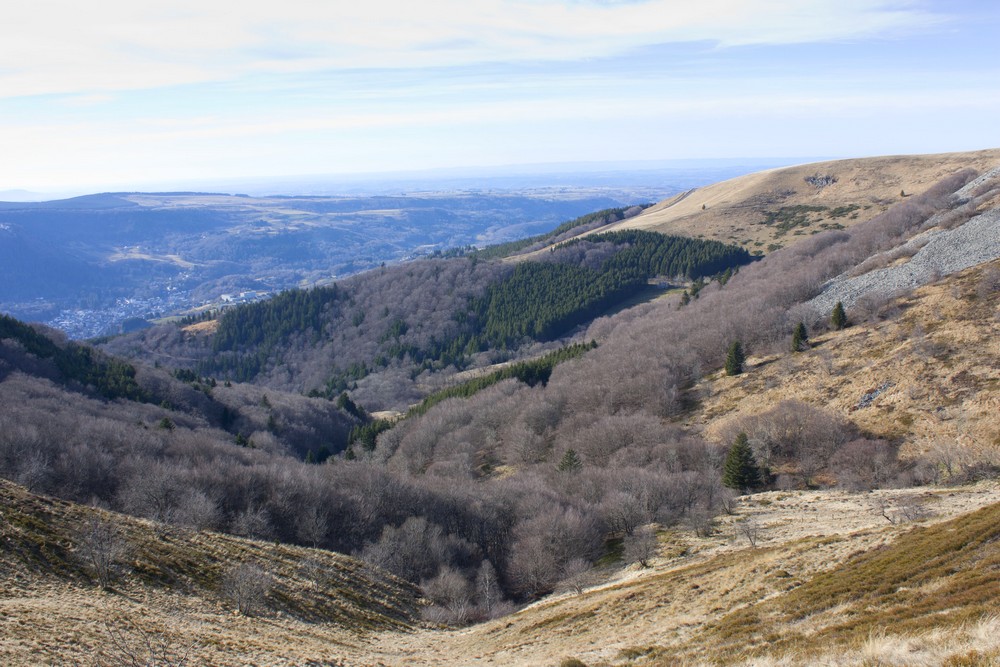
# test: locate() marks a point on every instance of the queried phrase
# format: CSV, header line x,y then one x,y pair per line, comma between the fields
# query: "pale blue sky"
x,y
127,95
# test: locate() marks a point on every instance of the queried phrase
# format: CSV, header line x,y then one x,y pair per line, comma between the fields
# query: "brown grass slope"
x,y
167,592
941,576
827,571
938,348
770,209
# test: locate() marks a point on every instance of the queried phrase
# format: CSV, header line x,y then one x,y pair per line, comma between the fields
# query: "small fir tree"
x,y
735,359
800,338
740,471
570,461
838,318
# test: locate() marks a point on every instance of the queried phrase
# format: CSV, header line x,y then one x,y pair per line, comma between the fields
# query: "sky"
x,y
113,94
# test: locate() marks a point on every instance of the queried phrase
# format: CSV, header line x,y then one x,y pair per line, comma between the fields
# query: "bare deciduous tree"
x,y
641,546
488,588
103,549
751,529
577,574
451,596
312,525
246,585
130,645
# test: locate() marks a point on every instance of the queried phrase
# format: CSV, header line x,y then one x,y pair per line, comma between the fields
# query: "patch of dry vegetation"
x,y
171,588
671,613
771,209
206,327
938,350
928,579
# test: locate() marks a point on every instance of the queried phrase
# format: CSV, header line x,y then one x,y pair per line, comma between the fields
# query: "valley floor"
x,y
664,614
668,605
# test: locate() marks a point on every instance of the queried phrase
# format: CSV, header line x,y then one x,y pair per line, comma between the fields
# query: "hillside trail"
x,y
819,528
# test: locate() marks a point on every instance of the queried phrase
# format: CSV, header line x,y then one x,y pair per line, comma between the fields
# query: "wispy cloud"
x,y
65,46
120,92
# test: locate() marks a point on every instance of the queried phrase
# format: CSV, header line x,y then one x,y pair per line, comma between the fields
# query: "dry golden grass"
x,y
667,614
206,327
941,352
734,211
320,605
928,579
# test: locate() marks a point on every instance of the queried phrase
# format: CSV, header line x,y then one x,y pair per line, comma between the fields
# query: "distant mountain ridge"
x,y
87,263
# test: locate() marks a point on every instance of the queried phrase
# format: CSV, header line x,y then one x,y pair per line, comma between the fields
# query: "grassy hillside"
x,y
772,209
935,352
825,584
167,593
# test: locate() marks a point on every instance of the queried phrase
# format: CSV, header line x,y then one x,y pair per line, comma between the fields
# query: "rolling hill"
x,y
770,209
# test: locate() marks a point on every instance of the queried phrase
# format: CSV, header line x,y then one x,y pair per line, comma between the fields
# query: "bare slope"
x,y
707,599
801,200
167,592
935,353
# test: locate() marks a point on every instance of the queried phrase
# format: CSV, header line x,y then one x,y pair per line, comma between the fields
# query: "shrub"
x,y
640,546
246,585
103,550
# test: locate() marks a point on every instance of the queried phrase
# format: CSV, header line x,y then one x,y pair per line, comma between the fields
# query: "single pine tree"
x,y
740,471
800,338
838,318
570,462
735,359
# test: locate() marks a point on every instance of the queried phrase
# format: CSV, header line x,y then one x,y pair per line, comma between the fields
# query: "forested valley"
x,y
391,335
499,488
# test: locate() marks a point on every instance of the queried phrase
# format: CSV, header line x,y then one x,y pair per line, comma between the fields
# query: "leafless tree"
x,y
576,575
488,589
751,529
312,525
452,597
253,522
130,645
641,546
103,549
33,470
196,510
912,508
246,585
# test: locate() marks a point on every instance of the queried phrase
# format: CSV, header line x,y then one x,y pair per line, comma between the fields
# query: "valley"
x,y
88,264
556,486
